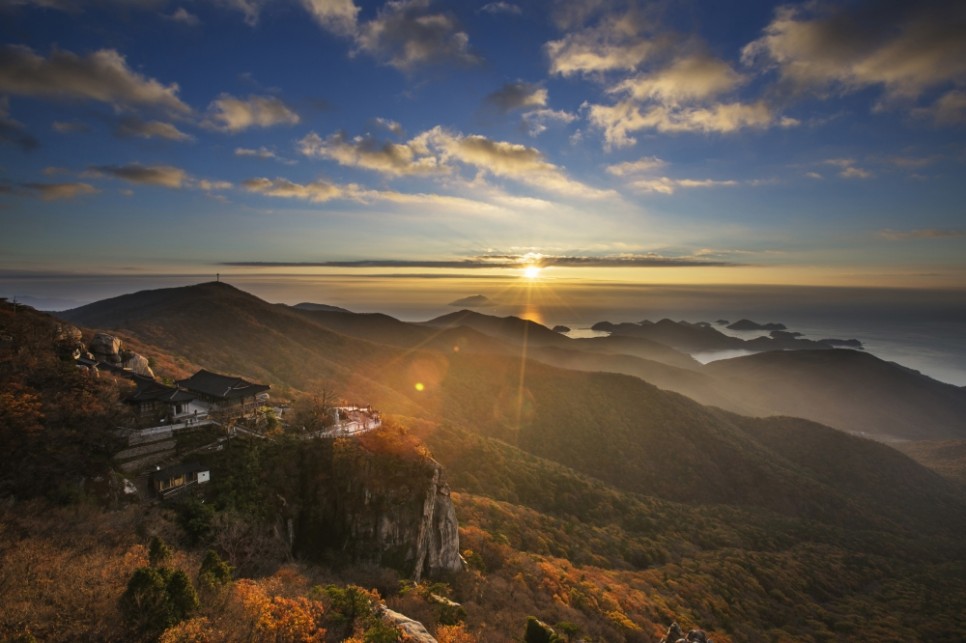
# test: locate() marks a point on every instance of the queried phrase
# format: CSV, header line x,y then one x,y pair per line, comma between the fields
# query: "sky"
x,y
717,143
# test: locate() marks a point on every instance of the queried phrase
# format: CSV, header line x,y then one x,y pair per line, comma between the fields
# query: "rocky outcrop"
x,y
675,635
107,348
412,631
136,364
438,545
391,509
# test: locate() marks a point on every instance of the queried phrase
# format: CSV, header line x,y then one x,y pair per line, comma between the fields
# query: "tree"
x,y
144,604
214,572
159,554
182,597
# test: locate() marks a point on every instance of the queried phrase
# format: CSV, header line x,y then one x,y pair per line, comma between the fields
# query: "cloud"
x,y
616,43
230,114
695,77
317,191
848,168
473,301
517,95
438,151
102,76
501,7
397,159
405,35
666,185
162,175
135,127
394,127
855,173
262,153
903,47
510,160
949,109
60,191
641,166
13,131
620,120
922,233
638,171
69,127
337,16
209,185
628,260
250,9
183,16
539,120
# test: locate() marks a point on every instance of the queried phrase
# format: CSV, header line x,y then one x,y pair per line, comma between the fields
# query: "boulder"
x,y
411,630
137,364
106,347
67,333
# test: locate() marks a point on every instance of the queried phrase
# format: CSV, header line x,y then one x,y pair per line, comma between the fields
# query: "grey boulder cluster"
x,y
675,635
103,349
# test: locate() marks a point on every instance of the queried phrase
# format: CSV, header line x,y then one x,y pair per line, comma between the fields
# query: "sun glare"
x,y
531,271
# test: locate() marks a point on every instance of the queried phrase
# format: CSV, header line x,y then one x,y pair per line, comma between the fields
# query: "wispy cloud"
x,y
167,176
438,152
648,260
262,153
230,114
184,17
135,127
316,191
920,233
13,131
59,191
539,120
102,76
849,169
640,166
162,175
69,127
501,7
517,95
641,176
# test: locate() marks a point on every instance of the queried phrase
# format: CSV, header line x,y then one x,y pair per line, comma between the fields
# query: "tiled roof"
x,y
149,390
221,386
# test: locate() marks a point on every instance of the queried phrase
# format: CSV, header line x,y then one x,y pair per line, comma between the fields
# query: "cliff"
x,y
371,501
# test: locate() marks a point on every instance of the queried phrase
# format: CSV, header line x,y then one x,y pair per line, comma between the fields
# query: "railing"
x,y
167,430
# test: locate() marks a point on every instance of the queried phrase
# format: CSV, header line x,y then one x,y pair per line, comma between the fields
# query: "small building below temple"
x,y
173,479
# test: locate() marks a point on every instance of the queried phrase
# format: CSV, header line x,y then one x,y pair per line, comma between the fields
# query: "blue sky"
x,y
668,142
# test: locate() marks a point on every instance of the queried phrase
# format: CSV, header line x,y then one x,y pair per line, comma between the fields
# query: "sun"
x,y
532,271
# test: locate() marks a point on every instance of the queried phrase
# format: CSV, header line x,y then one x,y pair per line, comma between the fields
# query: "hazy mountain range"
x,y
631,442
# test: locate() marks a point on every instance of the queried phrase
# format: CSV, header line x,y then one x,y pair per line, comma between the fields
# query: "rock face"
x,y
675,635
137,364
413,631
106,348
387,508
